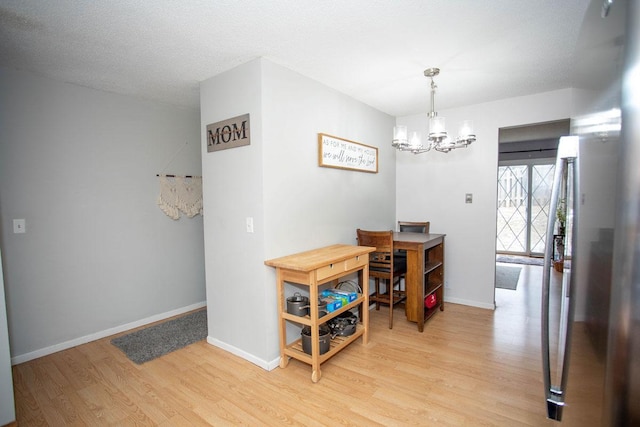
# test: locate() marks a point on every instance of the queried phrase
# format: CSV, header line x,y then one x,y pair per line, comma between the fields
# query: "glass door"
x,y
524,192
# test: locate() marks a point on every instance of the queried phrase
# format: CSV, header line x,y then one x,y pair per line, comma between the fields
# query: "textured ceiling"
x,y
373,50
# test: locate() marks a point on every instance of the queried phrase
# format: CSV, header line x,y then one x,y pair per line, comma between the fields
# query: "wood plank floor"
x,y
470,367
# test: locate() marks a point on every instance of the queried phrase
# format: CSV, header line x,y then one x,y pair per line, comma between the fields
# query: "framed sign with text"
x,y
334,152
230,133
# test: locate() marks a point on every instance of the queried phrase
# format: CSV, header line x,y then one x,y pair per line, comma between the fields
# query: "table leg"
x,y
283,324
315,332
421,285
363,277
415,287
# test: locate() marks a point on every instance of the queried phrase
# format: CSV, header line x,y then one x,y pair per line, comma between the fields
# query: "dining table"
x,y
425,273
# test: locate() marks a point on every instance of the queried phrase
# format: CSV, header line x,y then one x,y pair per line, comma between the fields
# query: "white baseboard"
x,y
21,358
470,303
266,365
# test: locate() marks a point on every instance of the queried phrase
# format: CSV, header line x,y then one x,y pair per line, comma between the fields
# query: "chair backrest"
x,y
414,227
382,258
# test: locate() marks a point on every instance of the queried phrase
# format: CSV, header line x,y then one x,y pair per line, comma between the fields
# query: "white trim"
x,y
266,365
21,358
470,303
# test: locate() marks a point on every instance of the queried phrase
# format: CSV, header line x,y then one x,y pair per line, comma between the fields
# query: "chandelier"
x,y
438,138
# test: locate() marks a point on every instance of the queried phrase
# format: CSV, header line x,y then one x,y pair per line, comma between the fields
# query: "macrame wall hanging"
x,y
180,194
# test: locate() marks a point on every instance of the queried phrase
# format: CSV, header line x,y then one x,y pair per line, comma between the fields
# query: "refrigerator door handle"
x,y
554,393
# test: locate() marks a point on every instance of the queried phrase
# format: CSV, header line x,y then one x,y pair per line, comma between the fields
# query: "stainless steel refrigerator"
x,y
591,290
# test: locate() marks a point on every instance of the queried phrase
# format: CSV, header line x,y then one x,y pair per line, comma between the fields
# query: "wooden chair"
x,y
382,265
414,227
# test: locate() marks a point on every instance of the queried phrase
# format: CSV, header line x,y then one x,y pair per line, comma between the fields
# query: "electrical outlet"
x,y
468,198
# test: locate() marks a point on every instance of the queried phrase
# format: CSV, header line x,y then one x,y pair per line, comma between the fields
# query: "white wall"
x,y
432,187
98,255
308,206
296,205
233,191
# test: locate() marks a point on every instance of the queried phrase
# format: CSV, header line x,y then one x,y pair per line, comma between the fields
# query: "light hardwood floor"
x,y
470,367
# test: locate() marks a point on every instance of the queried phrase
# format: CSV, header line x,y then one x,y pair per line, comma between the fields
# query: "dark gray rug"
x,y
514,259
507,277
157,340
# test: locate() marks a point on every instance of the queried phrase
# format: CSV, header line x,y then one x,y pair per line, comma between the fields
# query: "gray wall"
x,y
98,256
7,408
296,205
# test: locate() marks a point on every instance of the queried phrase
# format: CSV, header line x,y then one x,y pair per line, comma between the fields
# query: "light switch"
x,y
19,226
249,224
468,198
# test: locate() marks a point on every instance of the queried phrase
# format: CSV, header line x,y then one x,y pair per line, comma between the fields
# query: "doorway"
x,y
526,165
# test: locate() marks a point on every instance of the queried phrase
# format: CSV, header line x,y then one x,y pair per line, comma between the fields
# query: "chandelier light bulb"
x,y
400,133
437,128
400,138
466,129
416,140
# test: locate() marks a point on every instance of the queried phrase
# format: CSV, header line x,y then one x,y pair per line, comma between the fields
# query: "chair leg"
x,y
377,281
405,293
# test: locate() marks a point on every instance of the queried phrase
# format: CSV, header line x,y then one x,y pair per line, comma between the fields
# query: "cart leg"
x,y
284,361
316,375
